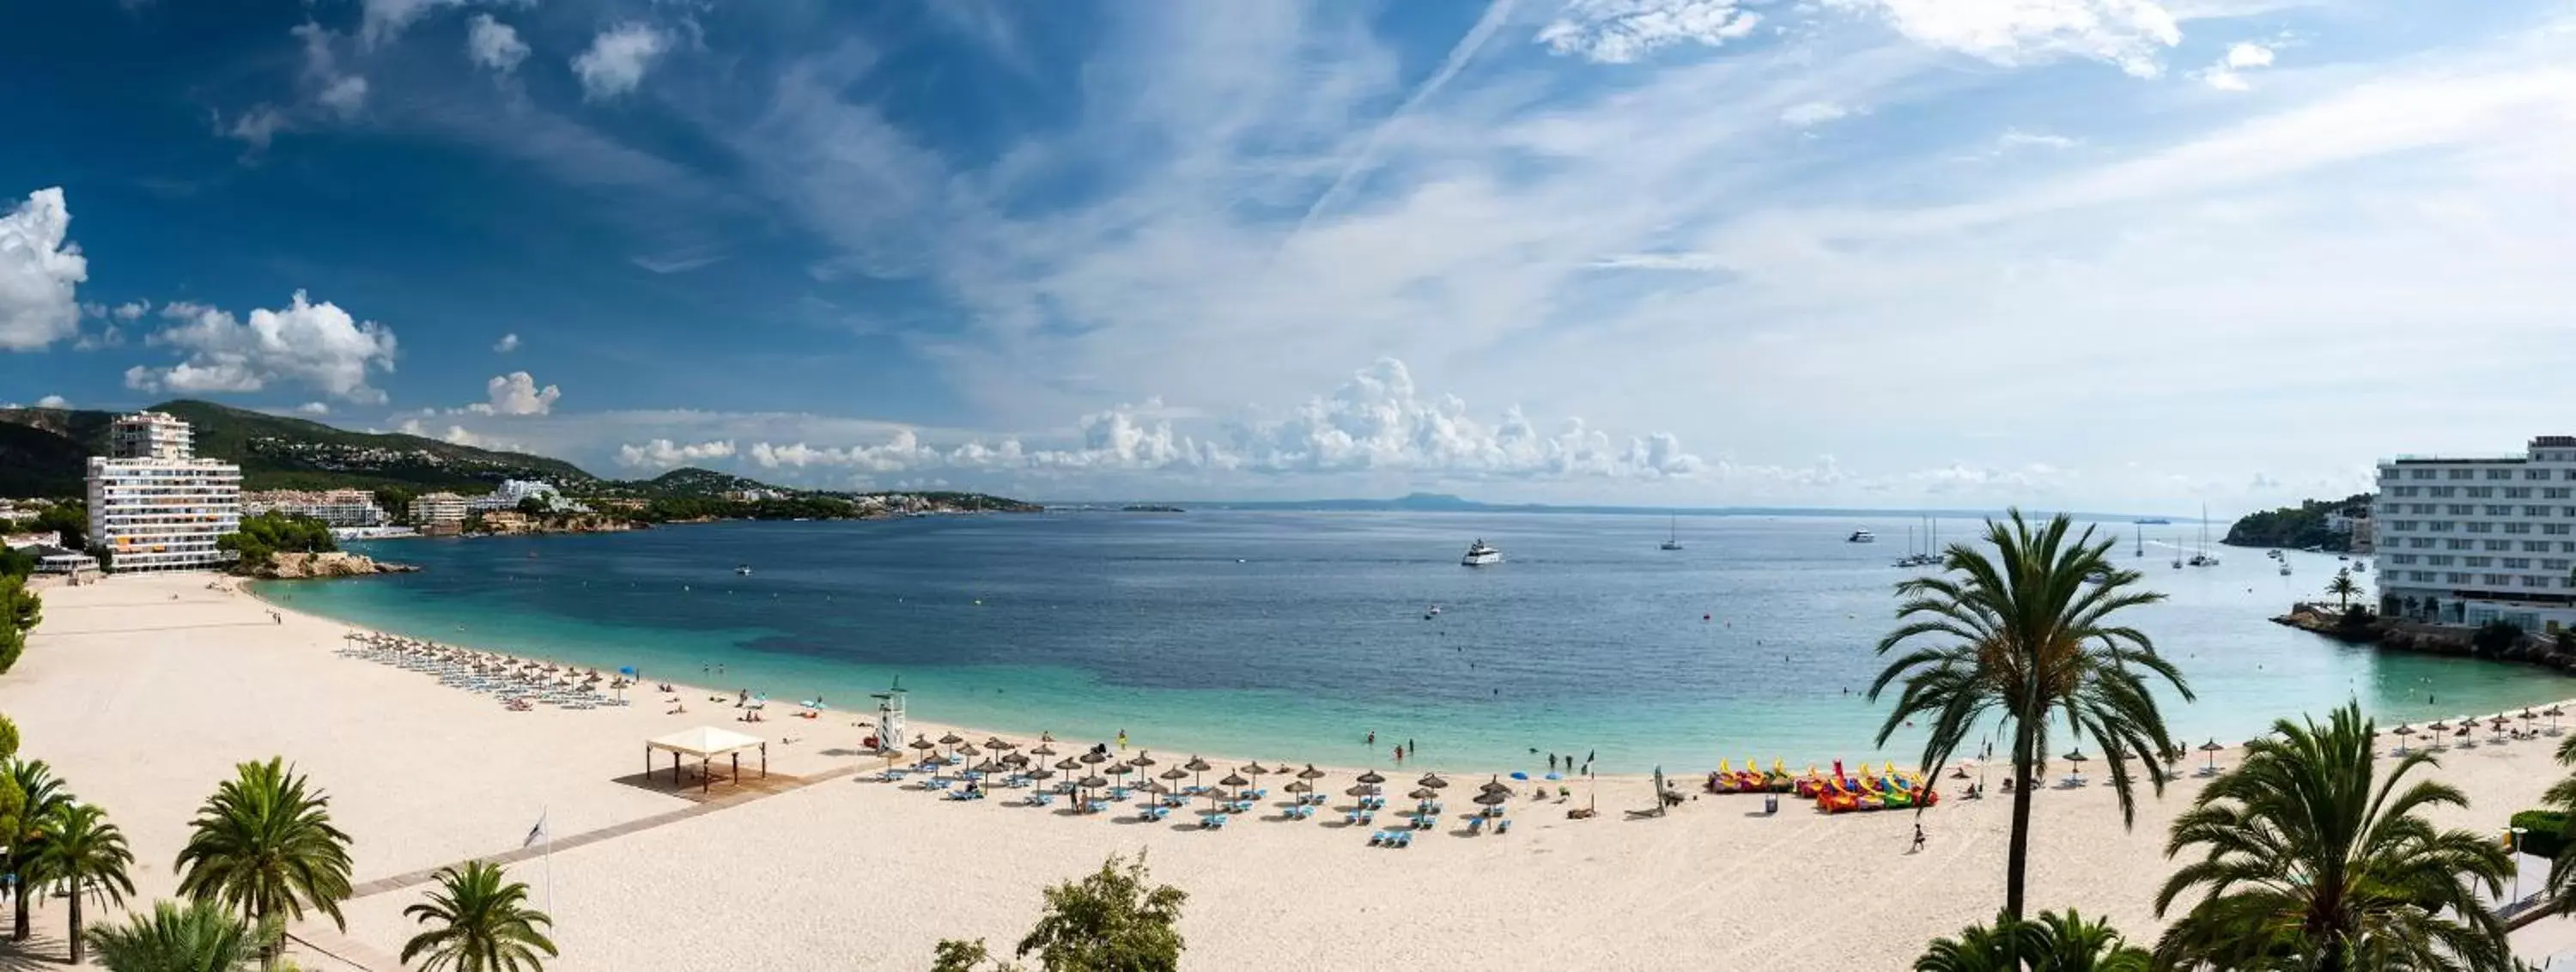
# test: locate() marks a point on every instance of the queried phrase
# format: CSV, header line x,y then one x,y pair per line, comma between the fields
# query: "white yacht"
x,y
1861,536
1481,553
744,570
1673,541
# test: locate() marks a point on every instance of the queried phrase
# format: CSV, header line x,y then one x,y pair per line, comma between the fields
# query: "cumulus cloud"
x,y
40,273
456,435
507,344
664,454
515,394
314,408
617,59
1620,31
313,345
53,401
384,20
2132,34
492,44
2228,74
1377,421
132,310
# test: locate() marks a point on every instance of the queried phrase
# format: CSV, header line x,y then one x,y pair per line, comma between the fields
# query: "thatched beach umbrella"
x,y
1015,759
2401,733
1310,773
1299,786
988,767
2498,724
1068,765
1255,769
1042,750
2212,747
995,742
1423,793
1495,785
1359,790
1493,799
1041,773
1094,757
1143,758
1432,780
2553,712
2439,726
969,750
1234,780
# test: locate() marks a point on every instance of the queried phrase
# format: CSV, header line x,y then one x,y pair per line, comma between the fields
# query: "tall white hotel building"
x,y
2465,540
153,505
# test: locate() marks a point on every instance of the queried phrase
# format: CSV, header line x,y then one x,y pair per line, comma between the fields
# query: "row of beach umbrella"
x,y
1089,763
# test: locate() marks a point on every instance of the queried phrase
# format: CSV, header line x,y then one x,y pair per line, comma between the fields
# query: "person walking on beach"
x,y
1372,739
1122,740
1918,838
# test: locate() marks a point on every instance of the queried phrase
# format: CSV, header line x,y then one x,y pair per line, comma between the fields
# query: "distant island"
x,y
2313,524
1151,509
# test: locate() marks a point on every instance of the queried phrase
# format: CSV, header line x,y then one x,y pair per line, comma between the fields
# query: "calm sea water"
x,y
1291,635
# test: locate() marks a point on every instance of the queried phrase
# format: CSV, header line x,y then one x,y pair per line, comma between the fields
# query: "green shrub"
x,y
2546,832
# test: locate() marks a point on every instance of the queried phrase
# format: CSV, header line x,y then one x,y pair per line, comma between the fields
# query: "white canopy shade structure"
x,y
706,743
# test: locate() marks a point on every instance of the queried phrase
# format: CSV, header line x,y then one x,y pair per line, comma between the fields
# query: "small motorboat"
x,y
744,570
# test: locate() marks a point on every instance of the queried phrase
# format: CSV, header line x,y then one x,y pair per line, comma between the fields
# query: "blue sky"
x,y
2133,254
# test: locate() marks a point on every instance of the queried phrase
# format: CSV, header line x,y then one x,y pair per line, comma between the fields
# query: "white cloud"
x,y
344,94
492,44
2249,56
1620,31
2228,74
516,394
2133,34
617,59
132,311
384,20
1807,114
314,408
259,126
53,401
318,346
664,454
1376,422
507,344
2017,138
40,273
457,435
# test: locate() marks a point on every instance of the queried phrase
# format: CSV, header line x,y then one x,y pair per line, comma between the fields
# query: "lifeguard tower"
x,y
890,723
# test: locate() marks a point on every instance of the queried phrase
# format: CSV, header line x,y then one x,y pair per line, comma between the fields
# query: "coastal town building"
x,y
513,492
155,506
2465,540
24,541
337,507
438,509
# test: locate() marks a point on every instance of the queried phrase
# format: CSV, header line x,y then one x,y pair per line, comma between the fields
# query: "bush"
x,y
268,534
2545,832
2494,637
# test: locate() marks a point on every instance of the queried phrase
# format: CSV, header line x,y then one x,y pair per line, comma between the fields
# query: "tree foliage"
x,y
264,845
76,845
2052,942
478,922
1109,921
2312,858
2343,587
2024,637
38,794
192,936
264,536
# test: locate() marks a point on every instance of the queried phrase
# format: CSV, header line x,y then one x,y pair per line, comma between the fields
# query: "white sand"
x,y
143,703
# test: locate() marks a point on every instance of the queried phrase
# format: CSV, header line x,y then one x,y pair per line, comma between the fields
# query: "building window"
x,y
2477,561
2499,544
2556,492
2535,474
2454,577
2499,474
2459,474
2460,509
2517,528
2497,580
2517,492
2499,509
2535,511
2554,529
2477,526
2554,563
2535,546
2480,492
2441,492
2438,560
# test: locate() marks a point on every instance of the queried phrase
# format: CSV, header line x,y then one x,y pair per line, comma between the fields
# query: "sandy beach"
x,y
143,691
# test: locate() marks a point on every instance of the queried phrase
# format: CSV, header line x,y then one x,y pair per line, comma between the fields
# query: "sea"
x,y
1297,636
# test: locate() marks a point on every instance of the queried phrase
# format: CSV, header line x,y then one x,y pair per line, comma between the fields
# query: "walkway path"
x,y
424,876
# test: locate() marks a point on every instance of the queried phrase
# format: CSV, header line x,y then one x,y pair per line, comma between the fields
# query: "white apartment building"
x,y
2467,540
431,509
337,507
156,507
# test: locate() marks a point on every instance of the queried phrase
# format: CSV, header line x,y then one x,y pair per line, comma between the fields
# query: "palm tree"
x,y
2029,639
479,923
191,937
2313,859
78,847
2052,943
2343,588
2561,796
263,846
43,793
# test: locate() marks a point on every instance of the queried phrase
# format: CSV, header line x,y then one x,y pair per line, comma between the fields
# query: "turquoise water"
x,y
1292,635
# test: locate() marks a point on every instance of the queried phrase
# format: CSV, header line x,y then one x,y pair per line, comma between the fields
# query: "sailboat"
x,y
2141,537
2202,557
1673,540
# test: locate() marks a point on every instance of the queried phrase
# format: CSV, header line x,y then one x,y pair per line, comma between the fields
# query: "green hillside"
x,y
2296,527
45,449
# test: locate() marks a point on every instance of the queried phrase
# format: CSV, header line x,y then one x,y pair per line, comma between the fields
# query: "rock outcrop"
x,y
299,566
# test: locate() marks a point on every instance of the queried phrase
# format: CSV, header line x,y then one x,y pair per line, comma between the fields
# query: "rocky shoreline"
x,y
308,566
2425,639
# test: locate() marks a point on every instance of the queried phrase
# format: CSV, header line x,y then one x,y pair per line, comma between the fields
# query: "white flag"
x,y
535,833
